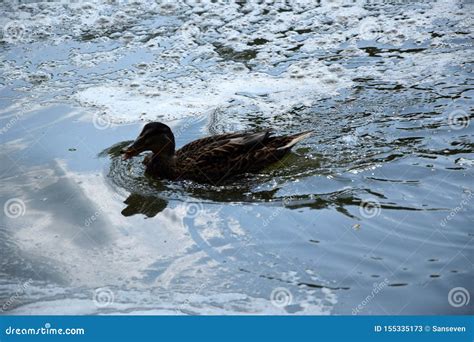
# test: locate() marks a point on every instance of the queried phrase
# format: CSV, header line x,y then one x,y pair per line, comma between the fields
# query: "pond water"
x,y
371,215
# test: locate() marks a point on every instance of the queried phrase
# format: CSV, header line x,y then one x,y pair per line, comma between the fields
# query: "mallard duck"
x,y
212,159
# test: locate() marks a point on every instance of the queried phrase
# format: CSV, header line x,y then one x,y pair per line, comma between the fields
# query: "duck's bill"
x,y
128,153
131,151
137,147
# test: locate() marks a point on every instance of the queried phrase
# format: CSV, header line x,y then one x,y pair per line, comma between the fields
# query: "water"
x,y
371,215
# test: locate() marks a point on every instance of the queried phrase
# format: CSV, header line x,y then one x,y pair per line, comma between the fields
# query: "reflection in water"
x,y
146,205
155,194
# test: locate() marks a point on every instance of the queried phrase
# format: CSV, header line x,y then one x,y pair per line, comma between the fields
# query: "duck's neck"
x,y
162,165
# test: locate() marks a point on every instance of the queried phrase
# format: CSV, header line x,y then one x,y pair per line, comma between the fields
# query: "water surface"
x,y
371,215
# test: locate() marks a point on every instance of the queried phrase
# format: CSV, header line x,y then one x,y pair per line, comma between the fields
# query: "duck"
x,y
213,159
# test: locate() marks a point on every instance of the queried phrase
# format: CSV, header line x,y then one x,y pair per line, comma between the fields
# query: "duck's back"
x,y
206,143
220,157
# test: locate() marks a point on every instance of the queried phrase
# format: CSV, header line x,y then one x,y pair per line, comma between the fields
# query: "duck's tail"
x,y
294,139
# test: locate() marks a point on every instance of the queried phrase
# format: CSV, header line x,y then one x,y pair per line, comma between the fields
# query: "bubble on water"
x,y
14,31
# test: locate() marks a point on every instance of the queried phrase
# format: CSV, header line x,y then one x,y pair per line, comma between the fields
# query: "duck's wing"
x,y
234,154
242,139
216,157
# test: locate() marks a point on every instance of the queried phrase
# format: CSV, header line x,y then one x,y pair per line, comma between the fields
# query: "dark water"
x,y
371,215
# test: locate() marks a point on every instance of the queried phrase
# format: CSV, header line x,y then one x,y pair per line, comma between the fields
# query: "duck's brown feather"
x,y
216,158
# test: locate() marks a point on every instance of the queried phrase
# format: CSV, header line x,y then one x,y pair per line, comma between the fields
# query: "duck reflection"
x,y
149,196
146,205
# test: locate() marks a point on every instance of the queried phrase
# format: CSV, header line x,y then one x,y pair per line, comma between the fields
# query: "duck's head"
x,y
155,137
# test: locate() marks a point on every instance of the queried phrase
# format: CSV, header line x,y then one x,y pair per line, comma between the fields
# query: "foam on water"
x,y
42,300
197,57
